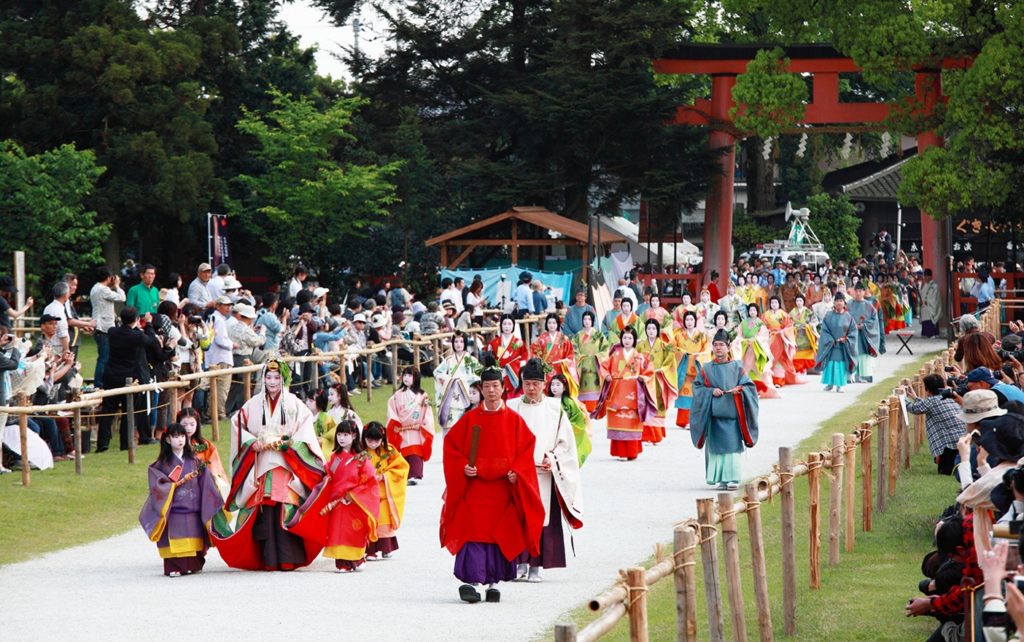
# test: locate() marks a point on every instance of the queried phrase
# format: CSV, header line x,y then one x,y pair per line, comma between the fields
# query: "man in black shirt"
x,y
128,346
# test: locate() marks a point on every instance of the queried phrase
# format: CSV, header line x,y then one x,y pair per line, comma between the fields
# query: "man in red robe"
x,y
492,510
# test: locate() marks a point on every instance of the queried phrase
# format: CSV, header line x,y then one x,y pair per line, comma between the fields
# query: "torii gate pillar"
x,y
934,239
719,205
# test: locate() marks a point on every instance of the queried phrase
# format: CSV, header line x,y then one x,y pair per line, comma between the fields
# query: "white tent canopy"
x,y
686,251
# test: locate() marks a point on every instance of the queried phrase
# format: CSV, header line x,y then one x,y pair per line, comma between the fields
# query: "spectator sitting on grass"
x,y
943,424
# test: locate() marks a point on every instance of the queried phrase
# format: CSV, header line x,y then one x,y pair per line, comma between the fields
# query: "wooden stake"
x,y
369,377
214,416
247,382
565,632
757,563
788,518
905,436
130,420
396,383
835,498
174,399
731,549
850,490
341,371
415,357
894,448
77,419
866,478
919,432
26,476
882,430
709,560
637,604
813,502
684,543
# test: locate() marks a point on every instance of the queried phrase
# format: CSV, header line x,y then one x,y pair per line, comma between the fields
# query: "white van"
x,y
812,259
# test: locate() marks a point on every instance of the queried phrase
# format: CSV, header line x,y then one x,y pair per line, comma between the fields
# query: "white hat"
x,y
223,300
980,404
377,321
231,283
319,292
359,317
245,310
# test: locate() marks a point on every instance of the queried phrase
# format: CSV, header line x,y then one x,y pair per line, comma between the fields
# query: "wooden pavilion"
x,y
520,227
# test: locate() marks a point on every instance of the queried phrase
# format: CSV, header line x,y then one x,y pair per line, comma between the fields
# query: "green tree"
x,y
42,207
304,200
835,221
748,232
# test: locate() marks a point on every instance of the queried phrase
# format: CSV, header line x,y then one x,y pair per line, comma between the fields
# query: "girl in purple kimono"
x,y
183,498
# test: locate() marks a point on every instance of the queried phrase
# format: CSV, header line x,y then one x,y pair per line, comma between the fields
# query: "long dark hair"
x,y
629,330
343,399
197,436
558,322
166,454
375,430
320,399
565,386
415,379
348,426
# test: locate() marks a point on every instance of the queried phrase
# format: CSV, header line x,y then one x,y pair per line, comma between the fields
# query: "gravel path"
x,y
115,589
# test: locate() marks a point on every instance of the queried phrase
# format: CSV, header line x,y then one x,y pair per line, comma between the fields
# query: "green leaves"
x,y
835,221
768,98
41,206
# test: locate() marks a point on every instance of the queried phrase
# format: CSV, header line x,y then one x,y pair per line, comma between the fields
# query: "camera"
x,y
1006,355
195,320
957,385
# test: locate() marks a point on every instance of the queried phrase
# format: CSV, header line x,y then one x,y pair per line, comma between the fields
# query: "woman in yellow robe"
x,y
657,346
691,345
804,323
392,472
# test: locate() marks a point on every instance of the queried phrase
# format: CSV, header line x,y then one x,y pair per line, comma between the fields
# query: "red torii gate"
x,y
724,62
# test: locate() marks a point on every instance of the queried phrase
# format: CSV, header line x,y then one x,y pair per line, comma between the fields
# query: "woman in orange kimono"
x,y
678,312
509,353
411,423
782,339
657,346
343,507
692,345
624,397
626,319
656,312
392,473
555,349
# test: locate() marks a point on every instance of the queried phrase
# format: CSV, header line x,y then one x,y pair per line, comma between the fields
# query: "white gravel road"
x,y
114,589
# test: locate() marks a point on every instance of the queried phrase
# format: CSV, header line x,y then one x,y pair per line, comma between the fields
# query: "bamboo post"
x,y
636,602
919,419
565,632
757,563
436,344
174,403
214,415
369,377
814,508
247,383
130,421
26,476
866,478
787,514
882,430
894,447
731,550
416,356
850,490
77,419
709,560
684,543
342,375
835,498
396,382
904,425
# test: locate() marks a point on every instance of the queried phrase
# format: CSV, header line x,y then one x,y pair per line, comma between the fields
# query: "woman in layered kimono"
x,y
658,313
678,312
555,349
691,345
733,305
891,300
755,352
626,319
323,423
591,348
392,472
203,449
183,499
721,322
706,310
577,413
658,349
624,398
411,423
339,407
804,324
782,341
343,508
510,354
452,379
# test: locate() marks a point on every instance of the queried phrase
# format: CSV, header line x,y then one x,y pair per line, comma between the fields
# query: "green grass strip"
x,y
861,598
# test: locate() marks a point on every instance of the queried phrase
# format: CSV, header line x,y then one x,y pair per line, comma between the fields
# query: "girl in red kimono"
x,y
411,423
510,354
352,503
624,398
392,472
555,349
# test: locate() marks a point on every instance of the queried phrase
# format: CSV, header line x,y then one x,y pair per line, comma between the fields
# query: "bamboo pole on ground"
x,y
787,515
709,560
814,508
757,563
684,543
565,632
26,476
882,430
130,421
866,477
637,604
214,414
894,447
731,551
835,498
603,624
849,491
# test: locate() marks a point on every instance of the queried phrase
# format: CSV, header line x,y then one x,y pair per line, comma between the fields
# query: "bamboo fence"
x,y
884,441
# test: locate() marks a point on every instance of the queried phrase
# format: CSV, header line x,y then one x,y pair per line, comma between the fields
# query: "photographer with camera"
x,y
943,423
984,379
